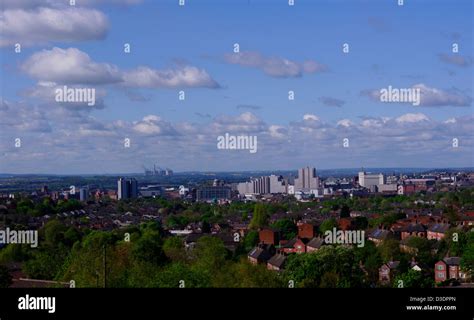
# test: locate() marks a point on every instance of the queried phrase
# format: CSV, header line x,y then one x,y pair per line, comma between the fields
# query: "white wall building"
x,y
368,180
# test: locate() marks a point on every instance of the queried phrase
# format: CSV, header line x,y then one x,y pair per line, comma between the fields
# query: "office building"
x,y
83,194
263,185
369,181
213,193
127,188
307,179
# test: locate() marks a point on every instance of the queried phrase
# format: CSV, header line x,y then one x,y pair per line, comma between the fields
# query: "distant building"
x,y
213,193
152,191
157,171
278,184
307,179
387,188
127,188
83,194
370,181
411,186
263,185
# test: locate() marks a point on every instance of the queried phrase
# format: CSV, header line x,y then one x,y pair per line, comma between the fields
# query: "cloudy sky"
x,y
191,48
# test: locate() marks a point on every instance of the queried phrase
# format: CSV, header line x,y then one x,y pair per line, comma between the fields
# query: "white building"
x,y
368,180
263,185
307,179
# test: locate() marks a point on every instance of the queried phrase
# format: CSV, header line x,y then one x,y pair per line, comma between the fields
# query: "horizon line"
x,y
234,171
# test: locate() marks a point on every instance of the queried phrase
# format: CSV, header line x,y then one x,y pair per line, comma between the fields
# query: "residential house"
x,y
269,236
261,254
378,235
387,272
295,245
437,231
413,230
277,262
449,268
306,230
314,244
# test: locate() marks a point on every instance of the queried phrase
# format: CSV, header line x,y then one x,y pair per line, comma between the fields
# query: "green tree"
x,y
389,250
149,248
210,253
54,232
328,225
173,248
413,279
288,228
259,218
251,239
467,258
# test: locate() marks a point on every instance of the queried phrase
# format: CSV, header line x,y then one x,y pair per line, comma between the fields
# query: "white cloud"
x,y
412,117
310,117
277,131
431,97
51,133
72,66
153,125
437,97
46,25
186,76
69,66
20,117
274,66
345,123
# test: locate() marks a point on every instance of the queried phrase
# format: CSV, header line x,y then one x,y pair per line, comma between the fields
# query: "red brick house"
x,y
387,272
449,268
465,220
413,230
306,230
269,236
295,245
437,231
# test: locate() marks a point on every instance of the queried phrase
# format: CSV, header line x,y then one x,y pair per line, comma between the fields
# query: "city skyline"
x,y
336,119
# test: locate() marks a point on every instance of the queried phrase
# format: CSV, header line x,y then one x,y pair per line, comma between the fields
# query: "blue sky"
x,y
189,48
